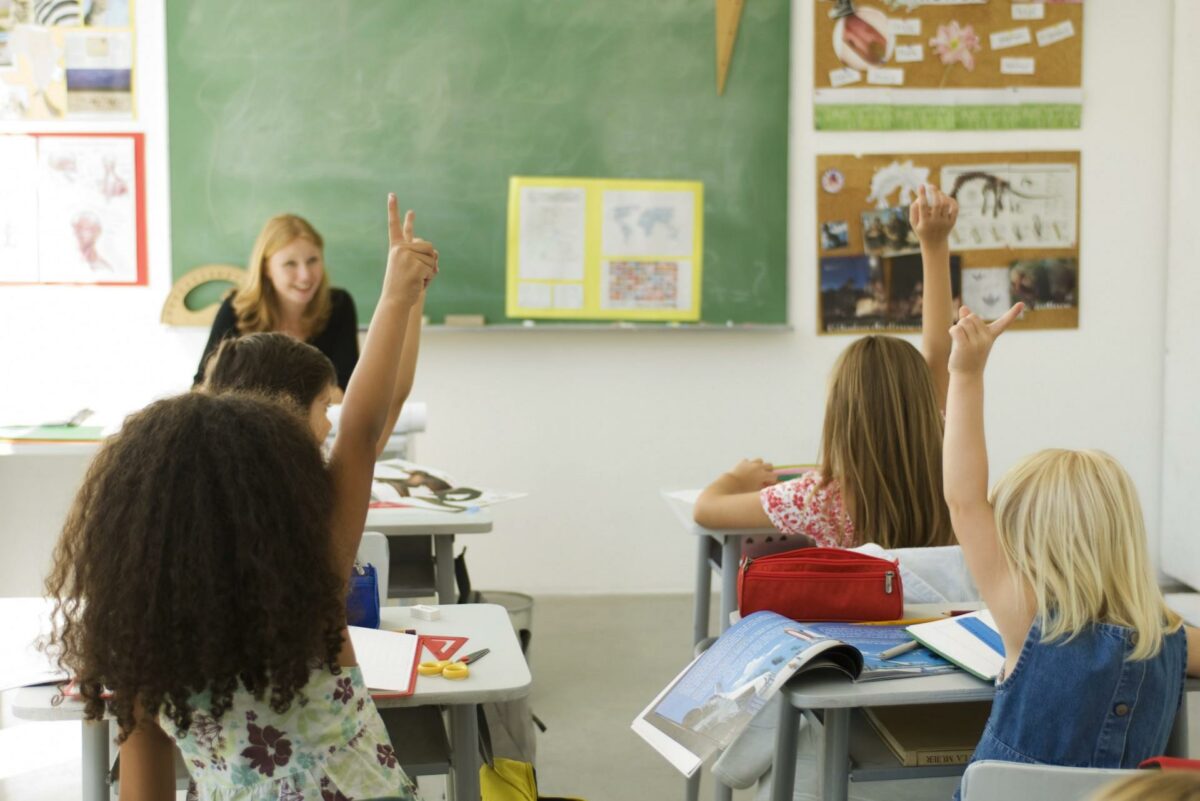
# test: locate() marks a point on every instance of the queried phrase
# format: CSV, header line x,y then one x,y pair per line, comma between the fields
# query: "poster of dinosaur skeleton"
x,y
1016,238
1012,205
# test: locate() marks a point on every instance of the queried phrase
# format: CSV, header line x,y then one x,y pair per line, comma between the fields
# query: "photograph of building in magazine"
x,y
712,701
400,484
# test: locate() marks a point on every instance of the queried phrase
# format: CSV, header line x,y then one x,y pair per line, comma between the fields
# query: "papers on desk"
x,y
387,659
22,622
404,484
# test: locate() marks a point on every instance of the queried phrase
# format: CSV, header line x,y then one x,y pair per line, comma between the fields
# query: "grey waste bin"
x,y
520,612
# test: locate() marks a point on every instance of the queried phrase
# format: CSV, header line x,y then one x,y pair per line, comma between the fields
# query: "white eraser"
x,y
426,612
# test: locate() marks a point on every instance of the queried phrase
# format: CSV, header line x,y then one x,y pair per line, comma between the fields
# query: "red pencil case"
x,y
822,584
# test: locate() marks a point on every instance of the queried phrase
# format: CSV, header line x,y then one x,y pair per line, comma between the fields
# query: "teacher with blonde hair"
x,y
287,290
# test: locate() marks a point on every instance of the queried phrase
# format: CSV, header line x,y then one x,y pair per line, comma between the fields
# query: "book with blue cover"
x,y
709,704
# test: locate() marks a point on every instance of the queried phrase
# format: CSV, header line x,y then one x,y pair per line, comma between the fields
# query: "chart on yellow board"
x,y
604,249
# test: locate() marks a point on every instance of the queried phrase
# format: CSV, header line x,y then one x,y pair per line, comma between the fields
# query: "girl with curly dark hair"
x,y
200,583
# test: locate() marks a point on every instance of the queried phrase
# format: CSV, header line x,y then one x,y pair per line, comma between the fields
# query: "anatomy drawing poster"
x,y
1017,237
87,222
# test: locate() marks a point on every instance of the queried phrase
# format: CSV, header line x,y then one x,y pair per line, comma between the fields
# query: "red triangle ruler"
x,y
442,647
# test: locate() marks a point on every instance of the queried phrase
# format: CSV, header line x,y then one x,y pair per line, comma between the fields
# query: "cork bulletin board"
x,y
1017,237
954,64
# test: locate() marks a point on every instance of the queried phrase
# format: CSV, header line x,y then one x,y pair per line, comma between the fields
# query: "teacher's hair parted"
x,y
197,556
256,304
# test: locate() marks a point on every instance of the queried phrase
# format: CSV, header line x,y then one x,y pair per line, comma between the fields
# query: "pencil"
x,y
904,648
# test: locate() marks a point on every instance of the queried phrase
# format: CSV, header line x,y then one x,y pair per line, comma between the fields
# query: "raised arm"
x,y
406,372
368,399
965,476
732,500
932,216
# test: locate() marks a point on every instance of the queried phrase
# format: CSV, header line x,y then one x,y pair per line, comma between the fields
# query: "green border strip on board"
x,y
854,117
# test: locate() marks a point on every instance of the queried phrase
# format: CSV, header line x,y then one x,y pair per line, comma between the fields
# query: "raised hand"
x,y
932,215
971,339
411,263
753,474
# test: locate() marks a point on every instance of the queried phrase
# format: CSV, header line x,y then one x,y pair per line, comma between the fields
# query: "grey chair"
x,y
1003,781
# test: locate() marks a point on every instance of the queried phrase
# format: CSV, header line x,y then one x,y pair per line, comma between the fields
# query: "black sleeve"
x,y
339,340
225,325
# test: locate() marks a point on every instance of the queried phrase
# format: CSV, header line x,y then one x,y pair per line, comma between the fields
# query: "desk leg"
x,y
835,756
703,592
95,760
731,554
1177,744
443,548
783,774
692,792
464,742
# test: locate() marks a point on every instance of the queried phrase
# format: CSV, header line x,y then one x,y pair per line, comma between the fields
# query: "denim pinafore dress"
x,y
1082,703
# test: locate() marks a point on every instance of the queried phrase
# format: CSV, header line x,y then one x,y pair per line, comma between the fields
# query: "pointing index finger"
x,y
1002,323
395,232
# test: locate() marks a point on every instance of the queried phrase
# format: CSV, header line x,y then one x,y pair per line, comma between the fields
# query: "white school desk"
x,y
836,698
502,675
717,551
442,526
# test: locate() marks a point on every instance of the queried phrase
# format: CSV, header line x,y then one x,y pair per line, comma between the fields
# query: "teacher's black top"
x,y
338,341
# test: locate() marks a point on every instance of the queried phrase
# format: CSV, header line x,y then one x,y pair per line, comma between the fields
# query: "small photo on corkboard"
x,y
1016,239
953,64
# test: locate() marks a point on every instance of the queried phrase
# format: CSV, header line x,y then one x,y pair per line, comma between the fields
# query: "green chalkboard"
x,y
320,107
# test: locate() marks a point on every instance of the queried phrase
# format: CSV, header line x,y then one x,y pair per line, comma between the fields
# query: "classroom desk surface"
x,y
501,676
836,698
716,549
442,526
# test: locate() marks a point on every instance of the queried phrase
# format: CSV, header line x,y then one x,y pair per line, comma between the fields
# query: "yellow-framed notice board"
x,y
1016,239
604,249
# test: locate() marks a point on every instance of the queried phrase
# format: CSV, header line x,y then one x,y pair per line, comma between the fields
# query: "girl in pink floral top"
x,y
880,473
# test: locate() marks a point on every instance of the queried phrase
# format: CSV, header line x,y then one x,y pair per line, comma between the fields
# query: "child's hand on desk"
x,y
752,475
932,215
971,339
412,263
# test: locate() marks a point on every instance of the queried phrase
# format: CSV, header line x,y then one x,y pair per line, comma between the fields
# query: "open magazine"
x,y
705,708
404,484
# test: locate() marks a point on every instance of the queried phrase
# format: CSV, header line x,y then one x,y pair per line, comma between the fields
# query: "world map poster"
x,y
600,249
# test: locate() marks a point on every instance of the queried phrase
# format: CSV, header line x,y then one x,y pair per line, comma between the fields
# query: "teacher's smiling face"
x,y
295,272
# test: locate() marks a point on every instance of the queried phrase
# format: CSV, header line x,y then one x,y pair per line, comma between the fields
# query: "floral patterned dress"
x,y
807,506
330,745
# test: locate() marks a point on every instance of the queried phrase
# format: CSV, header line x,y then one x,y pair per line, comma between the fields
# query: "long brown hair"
x,y
197,556
882,442
256,304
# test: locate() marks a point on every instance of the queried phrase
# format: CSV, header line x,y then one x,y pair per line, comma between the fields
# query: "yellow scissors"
x,y
451,669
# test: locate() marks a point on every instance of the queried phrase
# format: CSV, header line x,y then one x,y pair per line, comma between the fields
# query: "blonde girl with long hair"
x,y
880,474
1094,660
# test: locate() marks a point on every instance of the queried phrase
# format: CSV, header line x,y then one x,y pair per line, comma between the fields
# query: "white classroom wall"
x,y
592,424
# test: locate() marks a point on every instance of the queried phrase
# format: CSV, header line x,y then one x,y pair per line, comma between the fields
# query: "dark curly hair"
x,y
198,556
270,362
